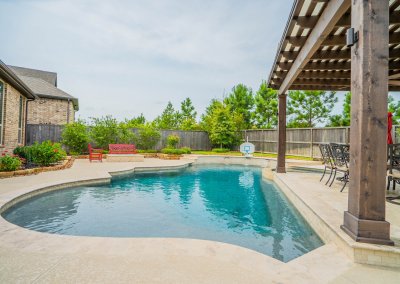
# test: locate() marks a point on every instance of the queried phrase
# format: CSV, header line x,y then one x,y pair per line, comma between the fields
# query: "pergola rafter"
x,y
332,53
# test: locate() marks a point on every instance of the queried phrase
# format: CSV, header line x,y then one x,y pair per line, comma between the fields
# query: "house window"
x,y
20,119
1,112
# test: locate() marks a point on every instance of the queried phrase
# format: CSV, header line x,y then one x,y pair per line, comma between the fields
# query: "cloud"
x,y
125,57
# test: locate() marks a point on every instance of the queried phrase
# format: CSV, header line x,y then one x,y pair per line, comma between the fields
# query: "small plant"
x,y
171,151
186,150
75,137
220,150
173,141
9,163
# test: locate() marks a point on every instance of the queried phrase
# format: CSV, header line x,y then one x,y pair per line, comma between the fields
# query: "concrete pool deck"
x,y
27,256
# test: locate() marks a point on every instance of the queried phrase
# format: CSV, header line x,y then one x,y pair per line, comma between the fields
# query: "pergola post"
x,y
365,219
281,168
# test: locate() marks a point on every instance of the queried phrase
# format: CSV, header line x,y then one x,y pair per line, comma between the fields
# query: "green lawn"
x,y
236,153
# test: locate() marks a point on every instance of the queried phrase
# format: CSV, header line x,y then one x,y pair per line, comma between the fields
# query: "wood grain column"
x,y
281,168
365,219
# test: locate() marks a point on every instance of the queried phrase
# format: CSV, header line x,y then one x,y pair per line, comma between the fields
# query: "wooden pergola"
x,y
313,55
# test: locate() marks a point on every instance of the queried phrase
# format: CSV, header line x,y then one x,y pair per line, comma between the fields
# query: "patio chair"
x,y
327,160
95,154
341,158
393,166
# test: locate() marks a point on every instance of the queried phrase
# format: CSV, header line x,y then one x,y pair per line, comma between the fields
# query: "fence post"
x,y
262,141
312,143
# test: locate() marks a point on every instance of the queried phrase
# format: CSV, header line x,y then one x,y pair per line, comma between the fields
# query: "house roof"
x,y
312,54
50,77
15,81
44,89
43,84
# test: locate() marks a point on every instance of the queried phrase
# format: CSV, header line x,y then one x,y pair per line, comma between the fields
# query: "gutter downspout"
x,y
68,112
26,120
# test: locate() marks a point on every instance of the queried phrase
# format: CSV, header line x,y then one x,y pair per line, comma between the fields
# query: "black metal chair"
x,y
341,158
327,159
393,166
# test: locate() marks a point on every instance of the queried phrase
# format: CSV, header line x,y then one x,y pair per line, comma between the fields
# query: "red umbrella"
x,y
390,124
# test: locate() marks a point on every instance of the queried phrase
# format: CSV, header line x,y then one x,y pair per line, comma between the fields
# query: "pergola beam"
x,y
334,10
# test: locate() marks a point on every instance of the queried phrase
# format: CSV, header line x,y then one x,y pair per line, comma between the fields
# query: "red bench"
x,y
122,149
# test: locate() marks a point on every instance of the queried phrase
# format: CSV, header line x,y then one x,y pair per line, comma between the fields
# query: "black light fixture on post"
x,y
351,37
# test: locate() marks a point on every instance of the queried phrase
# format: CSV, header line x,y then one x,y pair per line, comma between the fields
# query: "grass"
x,y
266,155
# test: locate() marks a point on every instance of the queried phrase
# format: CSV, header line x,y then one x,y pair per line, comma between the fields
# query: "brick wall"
x,y
11,118
50,111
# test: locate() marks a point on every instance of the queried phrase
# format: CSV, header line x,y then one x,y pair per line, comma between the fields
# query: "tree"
x,y
308,108
344,118
223,131
241,103
135,122
106,130
169,119
266,107
188,115
206,118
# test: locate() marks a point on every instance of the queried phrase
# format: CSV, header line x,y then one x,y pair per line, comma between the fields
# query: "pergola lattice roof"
x,y
326,65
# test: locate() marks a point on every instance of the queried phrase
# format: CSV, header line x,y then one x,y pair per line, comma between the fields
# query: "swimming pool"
x,y
231,204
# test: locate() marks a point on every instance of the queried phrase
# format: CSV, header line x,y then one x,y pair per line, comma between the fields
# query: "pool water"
x,y
230,204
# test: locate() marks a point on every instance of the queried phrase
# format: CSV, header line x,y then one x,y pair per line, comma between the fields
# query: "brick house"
x,y
53,106
14,97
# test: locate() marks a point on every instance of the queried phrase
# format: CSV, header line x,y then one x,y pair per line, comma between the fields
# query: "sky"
x,y
126,57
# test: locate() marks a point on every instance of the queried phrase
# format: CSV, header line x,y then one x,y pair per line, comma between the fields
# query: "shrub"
x,y
148,137
147,151
75,136
220,150
9,163
173,141
125,134
104,131
22,152
172,151
45,154
186,150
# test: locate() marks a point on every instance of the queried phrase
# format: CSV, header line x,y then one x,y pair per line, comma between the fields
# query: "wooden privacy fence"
x,y
299,141
196,140
43,132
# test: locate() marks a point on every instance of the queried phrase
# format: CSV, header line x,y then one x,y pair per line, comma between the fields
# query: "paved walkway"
x,y
32,257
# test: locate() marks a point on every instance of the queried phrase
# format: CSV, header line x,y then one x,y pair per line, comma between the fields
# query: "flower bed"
x,y
67,163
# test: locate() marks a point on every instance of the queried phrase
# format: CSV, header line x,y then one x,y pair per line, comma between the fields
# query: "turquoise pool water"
x,y
230,204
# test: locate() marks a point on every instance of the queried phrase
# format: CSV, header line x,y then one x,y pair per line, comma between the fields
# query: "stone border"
x,y
67,163
362,253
